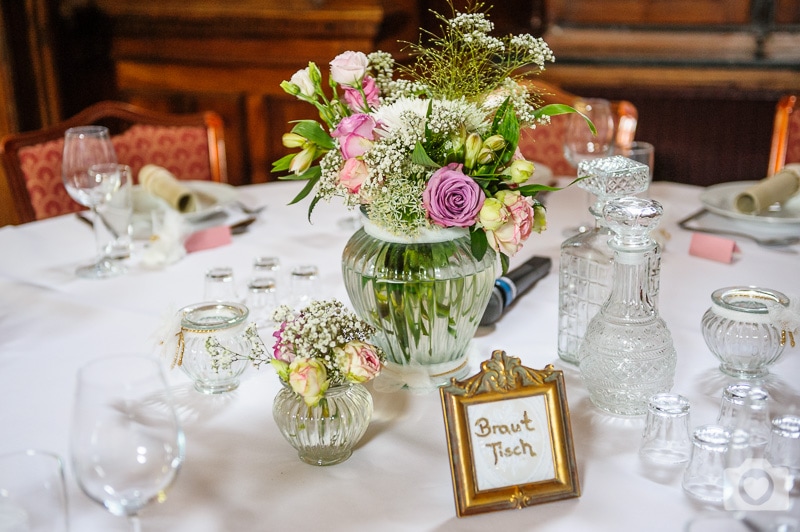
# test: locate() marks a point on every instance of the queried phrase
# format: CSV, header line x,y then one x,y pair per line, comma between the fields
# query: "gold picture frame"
x,y
509,437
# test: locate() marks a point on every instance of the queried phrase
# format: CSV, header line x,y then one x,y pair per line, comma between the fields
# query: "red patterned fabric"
x,y
181,150
41,164
545,144
793,138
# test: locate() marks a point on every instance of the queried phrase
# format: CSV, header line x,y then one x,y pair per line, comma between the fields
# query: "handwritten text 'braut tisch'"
x,y
486,429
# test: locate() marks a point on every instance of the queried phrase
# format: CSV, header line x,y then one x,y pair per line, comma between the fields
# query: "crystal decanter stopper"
x,y
627,353
585,268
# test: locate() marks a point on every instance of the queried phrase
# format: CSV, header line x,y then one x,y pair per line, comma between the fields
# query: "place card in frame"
x,y
509,437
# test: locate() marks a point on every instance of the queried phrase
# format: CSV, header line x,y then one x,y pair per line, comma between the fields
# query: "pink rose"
x,y
353,175
510,236
451,198
355,134
358,102
349,68
358,360
308,378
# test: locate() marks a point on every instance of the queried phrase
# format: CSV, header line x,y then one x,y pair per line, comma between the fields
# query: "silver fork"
x,y
776,243
252,211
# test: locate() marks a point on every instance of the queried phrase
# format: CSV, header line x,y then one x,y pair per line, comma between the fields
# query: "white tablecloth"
x,y
239,473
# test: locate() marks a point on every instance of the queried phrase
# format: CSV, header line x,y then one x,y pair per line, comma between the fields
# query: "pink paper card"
x,y
713,247
208,238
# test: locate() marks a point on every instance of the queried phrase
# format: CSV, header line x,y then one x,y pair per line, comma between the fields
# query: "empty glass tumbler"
x,y
704,477
666,439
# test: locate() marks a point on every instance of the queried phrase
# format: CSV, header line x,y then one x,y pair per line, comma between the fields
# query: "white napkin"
x,y
166,245
160,182
776,189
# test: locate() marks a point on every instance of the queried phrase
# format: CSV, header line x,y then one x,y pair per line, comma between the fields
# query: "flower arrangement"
x,y
321,346
435,148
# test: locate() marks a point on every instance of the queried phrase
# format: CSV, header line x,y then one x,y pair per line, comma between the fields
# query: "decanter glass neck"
x,y
630,292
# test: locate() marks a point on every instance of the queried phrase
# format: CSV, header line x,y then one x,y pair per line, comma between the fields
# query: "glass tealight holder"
x,y
738,330
214,345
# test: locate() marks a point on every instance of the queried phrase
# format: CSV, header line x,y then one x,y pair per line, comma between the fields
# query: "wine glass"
x,y
581,144
33,497
84,147
126,443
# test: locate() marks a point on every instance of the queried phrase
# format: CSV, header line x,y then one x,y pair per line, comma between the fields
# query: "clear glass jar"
x,y
627,354
738,330
425,298
212,327
586,265
324,434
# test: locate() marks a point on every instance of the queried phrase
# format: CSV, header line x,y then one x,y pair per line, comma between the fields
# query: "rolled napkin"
x,y
776,189
160,182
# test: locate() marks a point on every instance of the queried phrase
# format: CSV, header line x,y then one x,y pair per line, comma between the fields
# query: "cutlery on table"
x,y
777,243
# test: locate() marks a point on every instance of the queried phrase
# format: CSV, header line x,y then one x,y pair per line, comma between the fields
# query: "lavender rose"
x,y
451,198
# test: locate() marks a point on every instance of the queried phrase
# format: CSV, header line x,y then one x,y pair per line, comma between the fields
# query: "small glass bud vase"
x,y
324,434
214,345
738,330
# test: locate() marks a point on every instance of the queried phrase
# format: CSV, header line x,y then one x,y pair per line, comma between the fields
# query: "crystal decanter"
x,y
627,353
585,267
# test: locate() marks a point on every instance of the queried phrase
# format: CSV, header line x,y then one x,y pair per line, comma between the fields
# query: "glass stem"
x,y
136,524
98,236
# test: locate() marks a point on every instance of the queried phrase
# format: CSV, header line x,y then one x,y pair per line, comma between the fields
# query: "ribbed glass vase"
x,y
424,296
324,434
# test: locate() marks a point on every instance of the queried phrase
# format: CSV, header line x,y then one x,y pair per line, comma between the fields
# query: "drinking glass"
x,y
126,443
32,493
581,144
83,147
666,439
304,285
116,214
219,285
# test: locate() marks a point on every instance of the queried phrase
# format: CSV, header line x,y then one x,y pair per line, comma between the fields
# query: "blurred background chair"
x,y
546,144
785,147
191,146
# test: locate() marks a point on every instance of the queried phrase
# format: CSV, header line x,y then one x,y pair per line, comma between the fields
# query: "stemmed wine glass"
x,y
84,147
581,144
126,442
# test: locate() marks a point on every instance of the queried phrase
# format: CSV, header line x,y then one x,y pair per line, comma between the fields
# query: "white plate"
x,y
212,197
719,200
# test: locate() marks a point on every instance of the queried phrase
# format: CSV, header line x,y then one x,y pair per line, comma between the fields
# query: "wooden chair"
x,y
785,134
191,146
546,144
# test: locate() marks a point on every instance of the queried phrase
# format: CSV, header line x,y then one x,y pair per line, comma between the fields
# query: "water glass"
x,y
117,212
262,299
665,439
745,406
784,446
219,284
32,492
304,284
266,266
704,477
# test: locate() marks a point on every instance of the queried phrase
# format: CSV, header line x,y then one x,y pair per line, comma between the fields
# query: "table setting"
x,y
254,364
